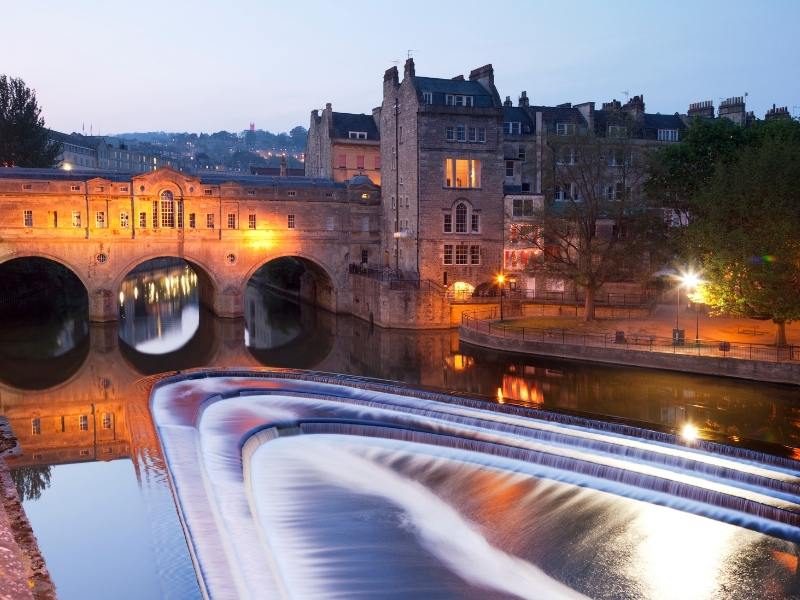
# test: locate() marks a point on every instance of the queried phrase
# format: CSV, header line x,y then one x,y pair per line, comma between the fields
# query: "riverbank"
x,y
748,361
23,573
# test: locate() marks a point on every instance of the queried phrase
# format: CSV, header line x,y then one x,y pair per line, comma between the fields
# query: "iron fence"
x,y
484,321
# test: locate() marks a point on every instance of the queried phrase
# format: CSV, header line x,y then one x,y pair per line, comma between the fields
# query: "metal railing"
x,y
562,298
395,280
484,321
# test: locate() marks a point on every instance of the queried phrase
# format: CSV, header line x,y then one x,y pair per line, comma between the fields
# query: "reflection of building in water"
x,y
152,303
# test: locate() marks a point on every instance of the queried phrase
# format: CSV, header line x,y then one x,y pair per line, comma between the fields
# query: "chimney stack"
x,y
780,112
704,109
508,101
283,171
409,71
734,109
523,99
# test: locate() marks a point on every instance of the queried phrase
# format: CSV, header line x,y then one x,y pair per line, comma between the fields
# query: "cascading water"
x,y
312,486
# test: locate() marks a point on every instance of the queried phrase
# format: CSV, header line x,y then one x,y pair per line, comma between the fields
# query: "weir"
x,y
247,451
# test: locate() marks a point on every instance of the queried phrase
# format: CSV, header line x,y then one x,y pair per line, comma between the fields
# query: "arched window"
x,y
461,218
167,209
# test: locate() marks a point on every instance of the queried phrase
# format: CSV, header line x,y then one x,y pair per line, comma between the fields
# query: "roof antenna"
x,y
627,94
408,54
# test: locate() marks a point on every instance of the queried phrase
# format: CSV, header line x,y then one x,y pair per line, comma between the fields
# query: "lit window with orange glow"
x,y
462,173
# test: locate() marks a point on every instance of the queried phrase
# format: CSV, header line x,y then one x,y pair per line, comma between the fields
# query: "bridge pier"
x,y
228,303
102,306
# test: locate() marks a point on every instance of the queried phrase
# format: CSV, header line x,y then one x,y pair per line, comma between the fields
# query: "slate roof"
x,y
205,178
646,129
516,113
344,123
441,87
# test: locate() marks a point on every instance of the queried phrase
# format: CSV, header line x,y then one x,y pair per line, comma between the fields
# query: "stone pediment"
x,y
166,174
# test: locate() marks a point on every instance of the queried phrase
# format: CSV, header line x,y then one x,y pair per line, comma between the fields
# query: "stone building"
x,y
442,157
108,154
341,146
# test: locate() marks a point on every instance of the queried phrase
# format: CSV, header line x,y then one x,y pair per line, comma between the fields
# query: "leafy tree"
x,y
600,227
24,140
31,481
678,172
745,229
298,135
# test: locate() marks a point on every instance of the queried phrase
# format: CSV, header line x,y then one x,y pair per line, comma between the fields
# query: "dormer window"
x,y
357,135
512,127
565,128
457,100
427,97
667,135
617,131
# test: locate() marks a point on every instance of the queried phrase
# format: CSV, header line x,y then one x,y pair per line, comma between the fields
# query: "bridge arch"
x,y
77,271
318,285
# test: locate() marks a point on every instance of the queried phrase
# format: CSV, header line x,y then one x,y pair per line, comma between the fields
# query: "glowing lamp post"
x,y
501,279
690,281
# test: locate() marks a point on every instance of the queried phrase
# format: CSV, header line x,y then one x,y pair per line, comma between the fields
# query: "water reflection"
x,y
64,370
159,307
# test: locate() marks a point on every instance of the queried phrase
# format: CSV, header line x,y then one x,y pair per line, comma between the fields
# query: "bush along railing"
x,y
484,321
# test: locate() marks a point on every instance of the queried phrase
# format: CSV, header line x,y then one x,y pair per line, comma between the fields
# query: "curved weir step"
x,y
217,429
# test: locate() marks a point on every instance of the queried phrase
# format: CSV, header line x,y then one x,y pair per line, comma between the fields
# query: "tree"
x,y
24,140
31,481
745,225
599,228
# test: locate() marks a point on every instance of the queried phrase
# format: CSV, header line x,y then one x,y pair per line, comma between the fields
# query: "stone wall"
x,y
376,302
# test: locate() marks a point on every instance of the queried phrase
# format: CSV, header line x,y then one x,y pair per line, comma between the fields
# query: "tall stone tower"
x,y
442,176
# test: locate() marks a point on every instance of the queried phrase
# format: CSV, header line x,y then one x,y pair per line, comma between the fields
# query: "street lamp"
x,y
689,280
501,279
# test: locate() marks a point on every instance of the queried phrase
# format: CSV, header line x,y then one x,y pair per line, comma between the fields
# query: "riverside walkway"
x,y
726,347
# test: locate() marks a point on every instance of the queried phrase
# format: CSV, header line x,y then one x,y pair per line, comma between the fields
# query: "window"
x,y
251,221
457,100
210,220
36,426
617,131
27,218
427,97
462,173
512,127
55,218
566,156
481,134
448,223
461,218
192,220
360,161
461,254
208,191
155,214
357,135
560,193
75,188
107,420
394,202
522,207
617,158
290,223
475,223
251,192
291,194
474,255
448,254
83,423
167,209
123,219
100,219
667,135
142,220
509,168
461,133
364,257
330,223
377,161
342,161
565,128
521,152
365,224
76,218
123,188
231,220
526,186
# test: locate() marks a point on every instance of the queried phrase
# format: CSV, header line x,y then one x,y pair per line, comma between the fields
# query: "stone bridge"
x,y
102,225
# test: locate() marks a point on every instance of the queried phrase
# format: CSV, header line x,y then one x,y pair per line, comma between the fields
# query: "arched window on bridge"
x,y
167,209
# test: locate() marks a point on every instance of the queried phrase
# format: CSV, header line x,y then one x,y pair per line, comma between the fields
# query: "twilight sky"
x,y
180,65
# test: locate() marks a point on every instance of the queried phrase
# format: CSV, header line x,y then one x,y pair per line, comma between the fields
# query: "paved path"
x,y
661,322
